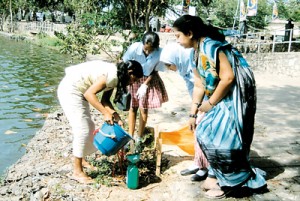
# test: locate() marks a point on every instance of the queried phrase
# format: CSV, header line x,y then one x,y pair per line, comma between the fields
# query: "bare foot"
x,y
210,184
85,164
81,178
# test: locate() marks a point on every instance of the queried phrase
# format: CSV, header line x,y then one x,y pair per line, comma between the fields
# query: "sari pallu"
x,y
220,133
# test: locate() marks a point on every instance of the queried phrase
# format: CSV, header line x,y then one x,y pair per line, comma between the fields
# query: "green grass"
x,y
45,40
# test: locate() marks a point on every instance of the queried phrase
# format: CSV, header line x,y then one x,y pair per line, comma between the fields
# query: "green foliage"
x,y
223,13
41,35
46,41
138,13
134,35
103,174
94,33
76,42
289,10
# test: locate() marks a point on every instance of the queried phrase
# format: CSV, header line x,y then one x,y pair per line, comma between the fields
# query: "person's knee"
x,y
133,109
144,111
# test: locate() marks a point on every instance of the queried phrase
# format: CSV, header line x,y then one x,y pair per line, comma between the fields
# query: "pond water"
x,y
28,81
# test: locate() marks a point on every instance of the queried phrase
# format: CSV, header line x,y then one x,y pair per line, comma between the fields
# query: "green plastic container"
x,y
132,174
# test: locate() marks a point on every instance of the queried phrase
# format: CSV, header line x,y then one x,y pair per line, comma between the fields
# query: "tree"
x,y
140,11
7,8
222,13
48,4
289,10
84,6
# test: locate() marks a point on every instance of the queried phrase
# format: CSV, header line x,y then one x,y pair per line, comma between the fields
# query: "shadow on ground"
x,y
271,167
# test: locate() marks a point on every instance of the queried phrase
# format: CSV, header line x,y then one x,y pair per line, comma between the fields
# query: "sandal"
x,y
216,193
210,184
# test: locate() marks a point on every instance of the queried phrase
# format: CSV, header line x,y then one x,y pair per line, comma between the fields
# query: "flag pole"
x,y
236,12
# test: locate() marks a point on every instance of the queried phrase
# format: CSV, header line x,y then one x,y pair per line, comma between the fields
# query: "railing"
x,y
264,41
38,27
286,40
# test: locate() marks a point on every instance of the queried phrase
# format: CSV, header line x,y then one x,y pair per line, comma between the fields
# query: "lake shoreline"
x,y
29,77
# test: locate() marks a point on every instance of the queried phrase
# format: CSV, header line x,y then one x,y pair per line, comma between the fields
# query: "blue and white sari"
x,y
220,133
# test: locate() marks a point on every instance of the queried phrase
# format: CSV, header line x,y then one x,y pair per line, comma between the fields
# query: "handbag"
x,y
124,105
247,92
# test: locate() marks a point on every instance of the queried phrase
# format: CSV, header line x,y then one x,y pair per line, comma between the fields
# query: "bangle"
x,y
210,103
198,104
193,116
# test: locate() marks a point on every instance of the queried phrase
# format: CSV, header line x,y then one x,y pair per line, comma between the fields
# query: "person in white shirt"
x,y
148,92
78,90
177,58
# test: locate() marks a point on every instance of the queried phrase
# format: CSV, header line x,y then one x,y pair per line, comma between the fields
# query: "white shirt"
x,y
149,63
85,74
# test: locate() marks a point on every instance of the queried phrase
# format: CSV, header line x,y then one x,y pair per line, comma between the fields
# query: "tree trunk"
x,y
11,19
136,12
131,12
147,16
147,23
2,22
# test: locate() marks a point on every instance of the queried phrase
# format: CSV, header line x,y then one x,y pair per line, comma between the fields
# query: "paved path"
x,y
276,145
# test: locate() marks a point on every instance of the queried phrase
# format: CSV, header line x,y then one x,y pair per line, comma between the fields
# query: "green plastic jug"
x,y
132,174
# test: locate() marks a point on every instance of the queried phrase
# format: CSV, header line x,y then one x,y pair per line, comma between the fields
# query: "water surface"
x,y
28,81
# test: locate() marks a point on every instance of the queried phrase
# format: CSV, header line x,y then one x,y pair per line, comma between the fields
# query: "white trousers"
x,y
77,111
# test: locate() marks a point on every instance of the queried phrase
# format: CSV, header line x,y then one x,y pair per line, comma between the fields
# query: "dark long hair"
x,y
152,39
189,23
124,76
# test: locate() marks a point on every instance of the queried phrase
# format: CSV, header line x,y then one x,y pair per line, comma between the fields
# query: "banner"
x,y
242,11
275,12
252,7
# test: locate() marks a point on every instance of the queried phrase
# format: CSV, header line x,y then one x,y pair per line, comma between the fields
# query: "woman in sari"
x,y
219,133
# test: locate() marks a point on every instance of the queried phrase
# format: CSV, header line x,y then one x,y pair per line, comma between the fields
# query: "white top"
x,y
175,54
149,63
85,74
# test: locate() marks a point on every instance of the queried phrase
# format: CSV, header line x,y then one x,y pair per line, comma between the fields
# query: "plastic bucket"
x,y
110,139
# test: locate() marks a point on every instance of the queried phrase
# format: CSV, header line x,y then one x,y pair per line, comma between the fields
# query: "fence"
x,y
37,27
285,40
268,41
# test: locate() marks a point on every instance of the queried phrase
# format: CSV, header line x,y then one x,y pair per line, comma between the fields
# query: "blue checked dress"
x,y
220,134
